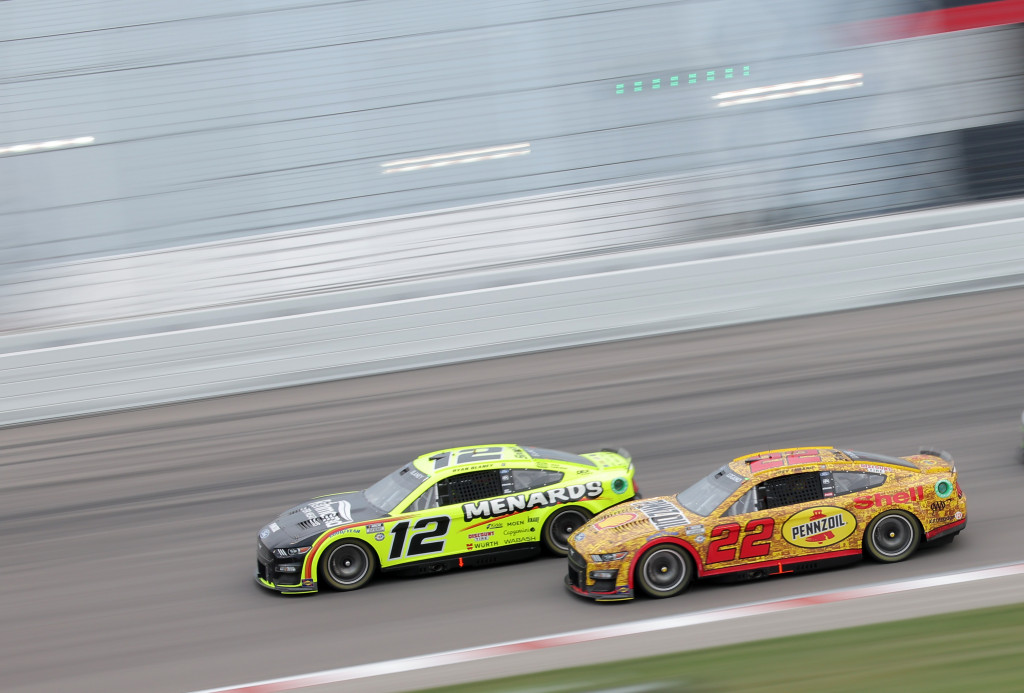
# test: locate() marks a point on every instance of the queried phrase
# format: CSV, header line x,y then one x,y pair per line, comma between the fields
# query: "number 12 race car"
x,y
448,509
770,513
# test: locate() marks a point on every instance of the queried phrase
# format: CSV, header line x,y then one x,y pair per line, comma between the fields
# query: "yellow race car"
x,y
770,513
445,510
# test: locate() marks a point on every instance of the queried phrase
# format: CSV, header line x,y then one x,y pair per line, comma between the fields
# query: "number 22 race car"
x,y
770,513
449,509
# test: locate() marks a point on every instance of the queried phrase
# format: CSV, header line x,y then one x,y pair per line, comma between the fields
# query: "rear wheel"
x,y
560,526
892,536
348,565
664,571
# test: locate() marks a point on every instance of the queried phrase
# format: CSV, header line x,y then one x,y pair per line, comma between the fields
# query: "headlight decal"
x,y
291,552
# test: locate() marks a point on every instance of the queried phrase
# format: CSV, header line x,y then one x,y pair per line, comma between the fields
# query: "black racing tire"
x,y
348,565
892,536
560,526
664,570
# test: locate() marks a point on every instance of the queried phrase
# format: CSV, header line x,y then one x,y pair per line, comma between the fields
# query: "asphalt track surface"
x,y
128,540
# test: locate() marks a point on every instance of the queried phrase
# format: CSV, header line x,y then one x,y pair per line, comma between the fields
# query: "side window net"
x,y
468,487
789,490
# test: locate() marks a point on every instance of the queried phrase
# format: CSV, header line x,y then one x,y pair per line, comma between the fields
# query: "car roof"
x,y
498,453
758,463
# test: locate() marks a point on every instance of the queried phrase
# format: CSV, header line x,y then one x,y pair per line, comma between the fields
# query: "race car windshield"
x,y
395,487
708,493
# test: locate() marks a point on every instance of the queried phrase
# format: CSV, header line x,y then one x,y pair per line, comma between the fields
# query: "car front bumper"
x,y
305,587
269,574
599,590
617,595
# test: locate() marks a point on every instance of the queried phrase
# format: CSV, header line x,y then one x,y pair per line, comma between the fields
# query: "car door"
x,y
811,520
438,523
528,504
424,531
784,517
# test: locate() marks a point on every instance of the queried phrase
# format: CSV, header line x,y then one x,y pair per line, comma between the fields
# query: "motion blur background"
x,y
201,198
246,150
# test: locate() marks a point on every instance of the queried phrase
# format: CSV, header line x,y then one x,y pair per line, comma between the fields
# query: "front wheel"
x,y
664,571
348,565
560,526
892,536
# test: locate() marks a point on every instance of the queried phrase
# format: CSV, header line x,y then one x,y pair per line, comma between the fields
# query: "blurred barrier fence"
x,y
700,285
316,271
158,157
190,283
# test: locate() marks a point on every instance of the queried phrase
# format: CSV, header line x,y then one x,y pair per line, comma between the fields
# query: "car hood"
x,y
320,514
639,519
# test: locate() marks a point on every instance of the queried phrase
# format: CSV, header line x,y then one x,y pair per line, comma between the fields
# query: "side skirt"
x,y
783,568
476,559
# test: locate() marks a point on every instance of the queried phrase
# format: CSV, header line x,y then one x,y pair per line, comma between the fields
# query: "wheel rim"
x,y
893,535
348,564
563,526
664,570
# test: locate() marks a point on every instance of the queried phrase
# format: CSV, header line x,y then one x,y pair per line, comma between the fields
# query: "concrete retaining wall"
x,y
755,280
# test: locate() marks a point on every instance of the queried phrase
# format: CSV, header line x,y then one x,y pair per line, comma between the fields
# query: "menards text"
x,y
529,501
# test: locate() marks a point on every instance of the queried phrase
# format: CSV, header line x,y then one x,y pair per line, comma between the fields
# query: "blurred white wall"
x,y
217,121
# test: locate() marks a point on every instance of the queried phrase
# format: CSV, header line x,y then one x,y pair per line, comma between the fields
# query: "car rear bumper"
x,y
946,530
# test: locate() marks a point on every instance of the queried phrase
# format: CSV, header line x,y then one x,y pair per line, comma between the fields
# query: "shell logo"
x,y
614,520
816,527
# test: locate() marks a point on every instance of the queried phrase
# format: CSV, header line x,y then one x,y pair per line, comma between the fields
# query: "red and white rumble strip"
x,y
394,666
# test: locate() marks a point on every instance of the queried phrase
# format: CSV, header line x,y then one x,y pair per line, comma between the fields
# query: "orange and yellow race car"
x,y
770,513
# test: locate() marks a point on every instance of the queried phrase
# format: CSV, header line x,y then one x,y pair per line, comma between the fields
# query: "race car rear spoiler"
x,y
936,452
619,451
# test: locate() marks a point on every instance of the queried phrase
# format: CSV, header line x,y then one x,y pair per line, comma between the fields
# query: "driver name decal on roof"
x,y
662,513
529,501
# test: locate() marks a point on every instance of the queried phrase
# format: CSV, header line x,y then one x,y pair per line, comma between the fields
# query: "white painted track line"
x,y
409,664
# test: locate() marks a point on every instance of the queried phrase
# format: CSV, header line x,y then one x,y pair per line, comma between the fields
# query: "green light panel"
x,y
703,76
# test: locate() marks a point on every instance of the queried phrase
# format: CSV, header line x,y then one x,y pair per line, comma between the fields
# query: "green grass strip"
x,y
964,651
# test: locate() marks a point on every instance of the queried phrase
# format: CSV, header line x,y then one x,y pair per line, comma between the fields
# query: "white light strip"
x,y
52,144
464,157
788,94
786,86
